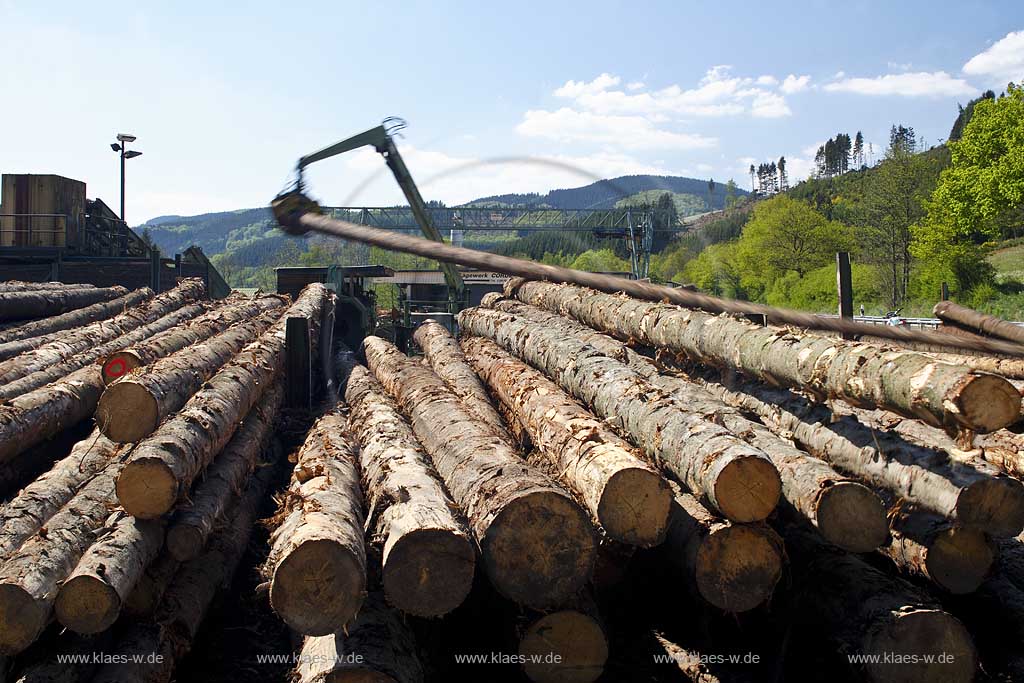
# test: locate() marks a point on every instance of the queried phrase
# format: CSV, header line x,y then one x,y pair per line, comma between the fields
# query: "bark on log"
x,y
24,515
193,523
39,332
536,543
229,311
732,566
22,286
867,612
30,577
449,363
623,493
567,645
38,415
90,599
428,556
690,663
162,468
317,561
1007,366
845,512
377,647
43,303
972,494
980,323
54,666
905,382
144,599
133,407
954,558
91,336
187,598
737,479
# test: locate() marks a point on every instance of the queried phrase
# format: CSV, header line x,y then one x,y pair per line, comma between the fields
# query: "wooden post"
x,y
945,291
154,269
177,269
298,365
844,286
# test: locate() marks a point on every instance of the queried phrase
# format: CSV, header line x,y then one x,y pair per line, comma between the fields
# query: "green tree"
x,y
980,197
786,235
719,270
601,261
731,196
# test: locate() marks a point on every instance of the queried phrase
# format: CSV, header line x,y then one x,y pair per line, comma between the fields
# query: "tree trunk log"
x,y
732,566
954,558
90,599
536,543
867,612
735,478
98,333
133,407
55,372
317,562
846,513
187,598
971,494
567,645
905,382
144,599
162,468
377,647
43,303
428,556
38,415
623,493
39,501
979,323
35,334
232,310
193,523
447,360
29,579
1007,366
21,286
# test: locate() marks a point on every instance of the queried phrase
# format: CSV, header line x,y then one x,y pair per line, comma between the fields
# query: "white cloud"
x,y
719,93
629,132
799,168
635,85
794,83
900,66
1001,63
578,88
917,84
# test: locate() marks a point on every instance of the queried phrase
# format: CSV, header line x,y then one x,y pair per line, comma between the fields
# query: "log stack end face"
x,y
429,572
747,488
318,572
22,619
919,638
577,639
147,488
635,507
852,516
738,566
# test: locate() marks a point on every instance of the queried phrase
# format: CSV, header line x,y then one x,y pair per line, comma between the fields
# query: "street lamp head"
x,y
126,137
114,146
132,154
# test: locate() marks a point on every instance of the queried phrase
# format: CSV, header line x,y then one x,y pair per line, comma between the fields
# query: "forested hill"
x,y
605,193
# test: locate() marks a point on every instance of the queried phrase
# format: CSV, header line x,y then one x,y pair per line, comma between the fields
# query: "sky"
x,y
499,97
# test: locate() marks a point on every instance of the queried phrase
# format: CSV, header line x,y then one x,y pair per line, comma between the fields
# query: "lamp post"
x,y
121,146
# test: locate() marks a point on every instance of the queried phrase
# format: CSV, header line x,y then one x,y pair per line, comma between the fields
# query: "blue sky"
x,y
224,97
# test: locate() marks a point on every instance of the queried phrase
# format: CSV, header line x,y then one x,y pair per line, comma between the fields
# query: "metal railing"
x,y
22,230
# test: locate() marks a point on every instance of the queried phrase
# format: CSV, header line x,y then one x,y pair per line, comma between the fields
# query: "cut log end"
x,y
564,647
119,364
747,489
988,403
184,542
429,572
127,412
994,505
959,560
852,516
318,586
147,488
540,549
925,633
738,567
87,605
635,506
22,619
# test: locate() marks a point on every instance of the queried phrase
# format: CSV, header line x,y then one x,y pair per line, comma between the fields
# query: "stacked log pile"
x,y
76,548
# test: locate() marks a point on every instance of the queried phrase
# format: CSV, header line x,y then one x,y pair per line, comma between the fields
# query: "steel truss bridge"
x,y
635,225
